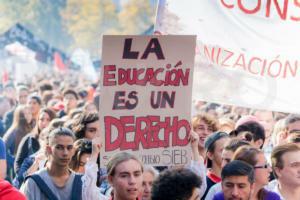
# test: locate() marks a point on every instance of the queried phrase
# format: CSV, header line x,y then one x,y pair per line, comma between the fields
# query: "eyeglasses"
x,y
266,166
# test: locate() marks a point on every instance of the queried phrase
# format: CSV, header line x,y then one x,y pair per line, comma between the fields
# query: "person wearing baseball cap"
x,y
213,146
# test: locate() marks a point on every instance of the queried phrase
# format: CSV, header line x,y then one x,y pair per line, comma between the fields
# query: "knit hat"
x,y
208,143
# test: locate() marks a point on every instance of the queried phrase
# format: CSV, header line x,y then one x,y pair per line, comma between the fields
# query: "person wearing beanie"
x,y
213,146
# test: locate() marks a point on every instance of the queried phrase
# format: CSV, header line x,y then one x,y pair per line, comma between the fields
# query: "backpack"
x,y
76,187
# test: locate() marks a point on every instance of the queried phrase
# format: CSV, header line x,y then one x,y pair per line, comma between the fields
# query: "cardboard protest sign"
x,y
146,85
247,52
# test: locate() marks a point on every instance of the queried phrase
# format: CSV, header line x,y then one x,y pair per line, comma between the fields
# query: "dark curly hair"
x,y
80,123
82,146
175,184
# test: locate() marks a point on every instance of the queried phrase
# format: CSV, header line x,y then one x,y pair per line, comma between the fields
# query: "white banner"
x,y
247,53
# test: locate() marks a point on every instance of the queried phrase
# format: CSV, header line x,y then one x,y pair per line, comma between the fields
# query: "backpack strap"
x,y
43,186
77,187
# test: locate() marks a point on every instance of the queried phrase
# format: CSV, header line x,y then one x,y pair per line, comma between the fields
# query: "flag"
x,y
59,64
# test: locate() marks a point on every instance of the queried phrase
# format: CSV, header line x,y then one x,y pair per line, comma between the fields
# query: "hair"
x,y
47,96
278,128
175,184
51,115
234,144
292,118
294,138
74,112
277,153
152,170
22,88
45,85
62,131
19,126
82,146
257,130
36,97
118,158
81,122
88,103
207,119
238,168
70,91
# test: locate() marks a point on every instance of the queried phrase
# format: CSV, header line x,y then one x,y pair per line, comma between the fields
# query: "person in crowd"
x,y
37,161
30,143
226,125
266,119
9,90
229,148
90,106
35,103
237,181
294,138
45,86
23,124
292,124
124,174
214,144
2,160
149,175
83,151
70,102
204,124
86,125
256,158
252,132
179,184
279,132
8,192
22,94
56,181
286,166
4,107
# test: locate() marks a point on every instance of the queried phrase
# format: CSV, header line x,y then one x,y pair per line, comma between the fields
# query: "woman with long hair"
x,y
262,170
21,126
30,144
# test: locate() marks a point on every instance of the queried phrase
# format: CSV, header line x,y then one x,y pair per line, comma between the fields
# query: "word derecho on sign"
x,y
146,88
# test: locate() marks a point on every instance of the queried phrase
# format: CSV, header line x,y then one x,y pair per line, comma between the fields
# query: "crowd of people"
x,y
50,144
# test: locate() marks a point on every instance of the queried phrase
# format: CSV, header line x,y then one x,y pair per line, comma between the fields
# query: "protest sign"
x,y
247,52
146,85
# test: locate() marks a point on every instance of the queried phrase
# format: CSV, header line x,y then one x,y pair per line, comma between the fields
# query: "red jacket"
x,y
8,192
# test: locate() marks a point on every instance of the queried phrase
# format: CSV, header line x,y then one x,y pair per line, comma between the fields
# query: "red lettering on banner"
x,y
108,76
280,6
148,136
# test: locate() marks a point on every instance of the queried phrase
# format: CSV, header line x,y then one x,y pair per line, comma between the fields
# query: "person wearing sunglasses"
x,y
262,170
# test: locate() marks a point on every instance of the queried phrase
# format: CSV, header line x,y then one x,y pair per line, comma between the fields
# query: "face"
x,y
127,180
147,184
267,120
290,173
294,126
82,162
34,105
92,130
28,115
216,156
236,188
226,157
203,131
70,101
10,92
44,120
195,195
4,107
61,151
22,97
262,175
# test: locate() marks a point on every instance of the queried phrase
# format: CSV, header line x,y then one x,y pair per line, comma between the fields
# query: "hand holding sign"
x,y
194,140
96,146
